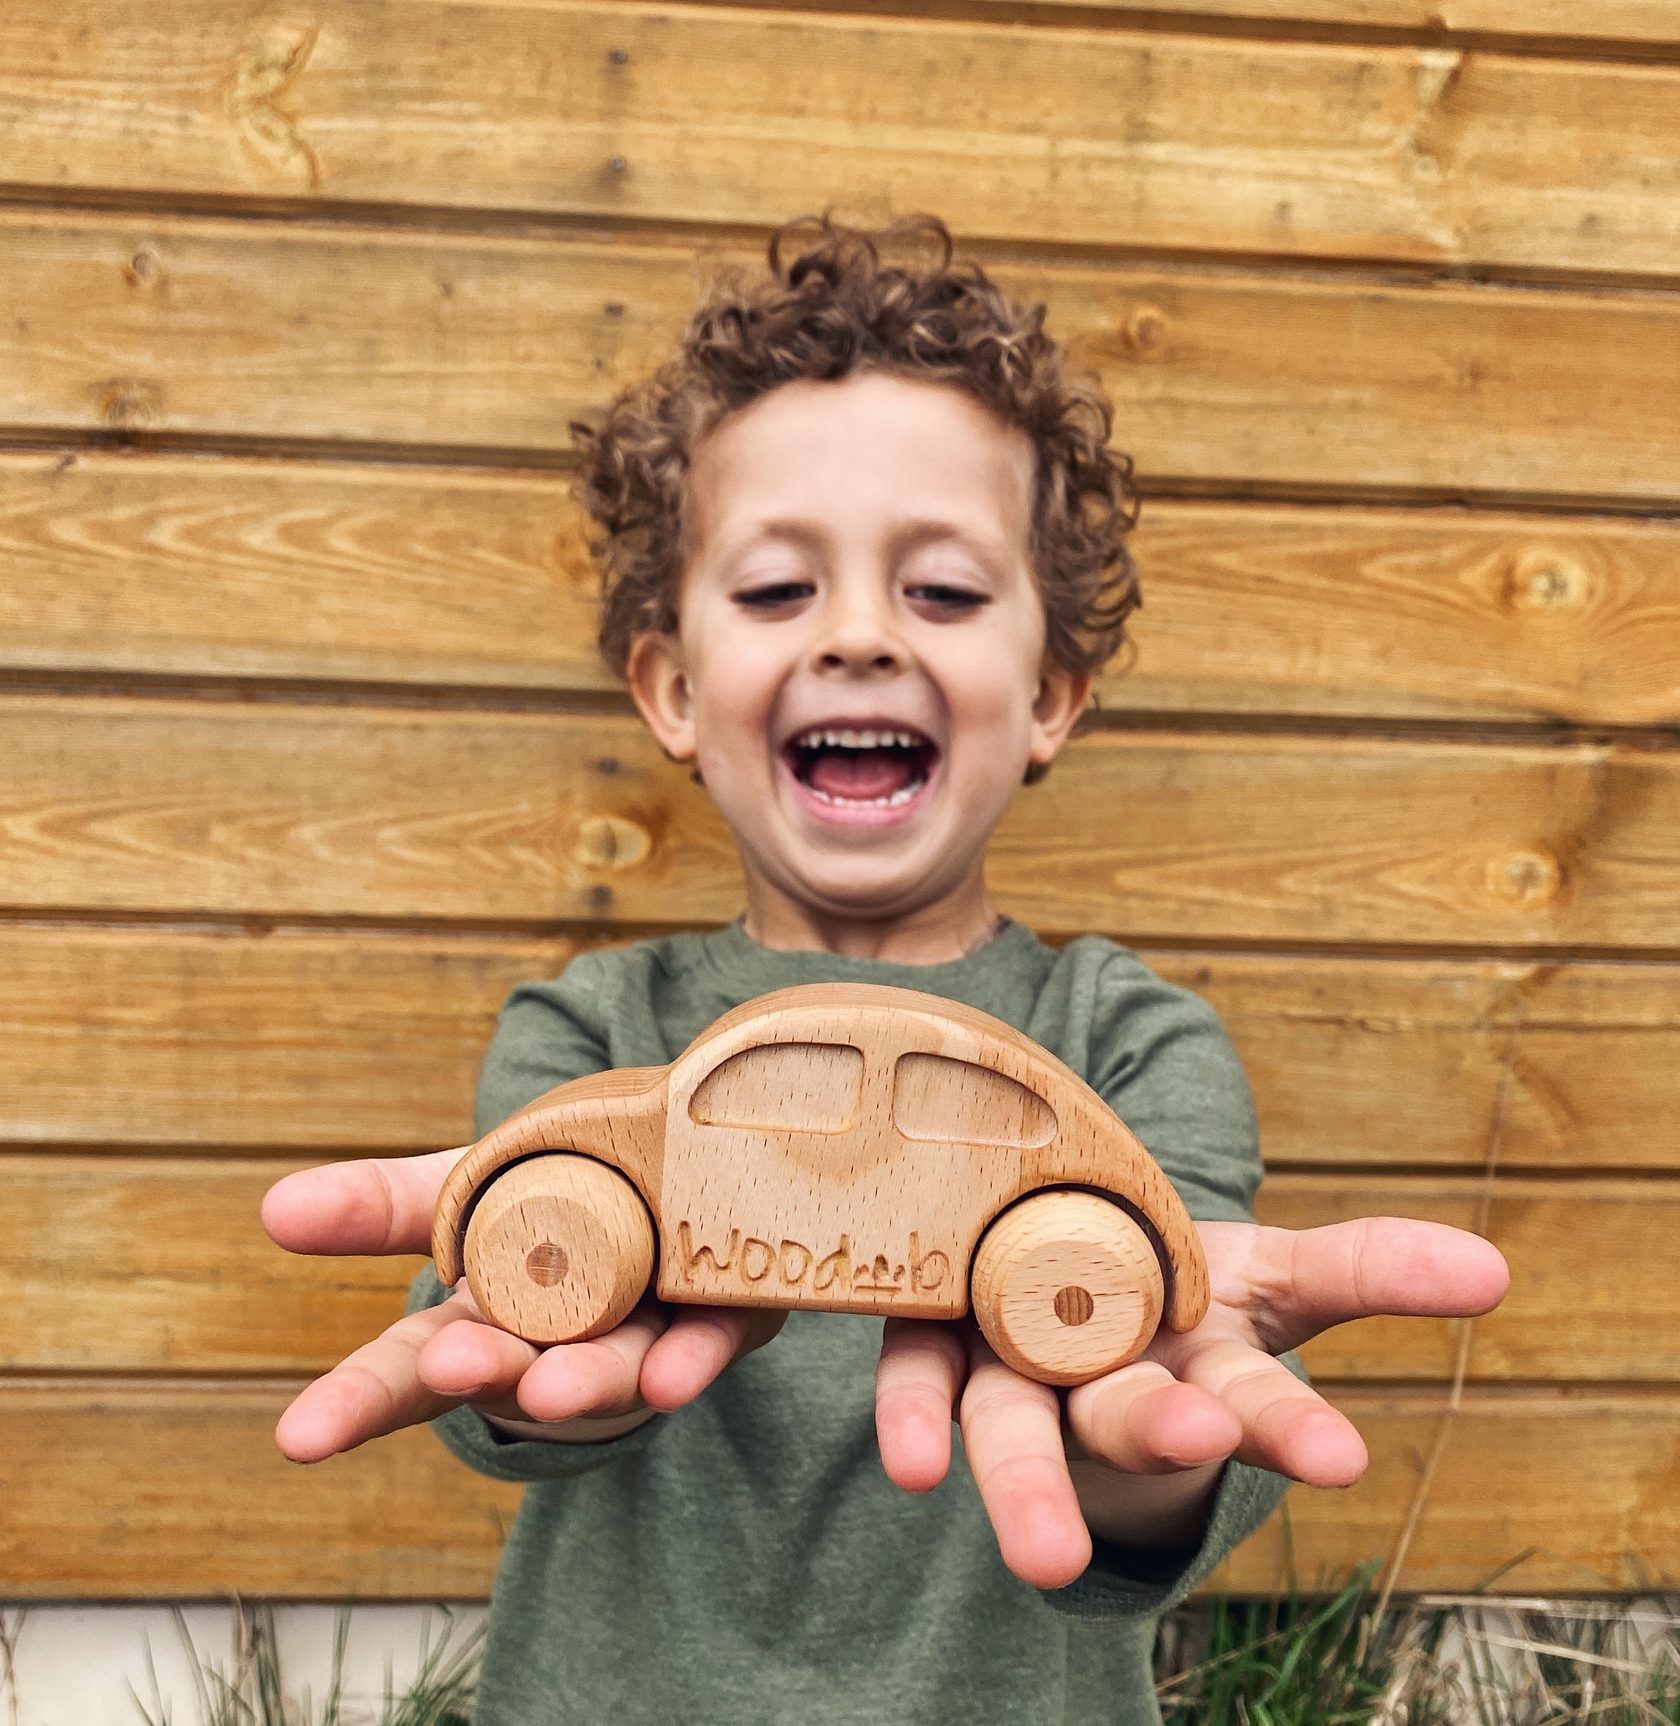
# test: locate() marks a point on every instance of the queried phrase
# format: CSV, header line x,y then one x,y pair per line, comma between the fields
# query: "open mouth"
x,y
861,769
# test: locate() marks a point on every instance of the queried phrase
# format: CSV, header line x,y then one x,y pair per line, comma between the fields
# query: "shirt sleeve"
x,y
543,1038
1163,1062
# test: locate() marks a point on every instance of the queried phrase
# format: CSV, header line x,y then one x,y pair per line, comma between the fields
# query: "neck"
x,y
930,935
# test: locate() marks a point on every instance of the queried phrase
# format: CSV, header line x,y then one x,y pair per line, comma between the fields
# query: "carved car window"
x,y
795,1087
936,1097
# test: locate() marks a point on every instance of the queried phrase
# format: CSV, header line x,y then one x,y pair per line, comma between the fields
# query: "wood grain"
x,y
226,568
1583,1482
157,1264
1541,23
110,1496
322,1041
725,116
333,811
871,1133
329,1041
201,328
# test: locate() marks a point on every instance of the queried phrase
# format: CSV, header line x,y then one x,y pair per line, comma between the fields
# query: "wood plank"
x,y
226,1039
180,567
323,810
1542,23
158,1264
727,115
197,327
1585,1482
328,1042
1354,1061
111,1496
1592,1263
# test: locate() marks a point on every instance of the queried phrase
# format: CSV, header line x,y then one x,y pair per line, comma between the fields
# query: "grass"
x,y
1350,1659
1441,1661
252,1691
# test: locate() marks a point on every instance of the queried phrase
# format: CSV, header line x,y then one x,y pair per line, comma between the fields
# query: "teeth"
x,y
896,801
815,739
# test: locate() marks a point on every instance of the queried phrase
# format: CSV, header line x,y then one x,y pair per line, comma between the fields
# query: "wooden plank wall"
x,y
305,758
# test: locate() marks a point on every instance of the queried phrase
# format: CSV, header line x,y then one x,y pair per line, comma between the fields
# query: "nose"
x,y
858,632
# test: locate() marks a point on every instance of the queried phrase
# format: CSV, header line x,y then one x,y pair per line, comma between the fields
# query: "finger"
x,y
698,1345
1286,1425
1142,1420
596,1377
1304,1281
1012,1433
380,1205
471,1361
921,1369
373,1391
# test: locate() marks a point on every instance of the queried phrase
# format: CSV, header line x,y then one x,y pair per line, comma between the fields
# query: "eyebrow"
x,y
905,536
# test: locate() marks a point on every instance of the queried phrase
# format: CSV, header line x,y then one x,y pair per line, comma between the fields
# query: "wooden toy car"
x,y
846,1147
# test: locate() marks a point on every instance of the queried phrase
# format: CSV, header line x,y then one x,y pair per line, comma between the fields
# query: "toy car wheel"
x,y
559,1248
1066,1286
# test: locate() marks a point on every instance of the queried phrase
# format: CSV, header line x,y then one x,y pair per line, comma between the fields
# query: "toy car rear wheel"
x,y
559,1248
1066,1286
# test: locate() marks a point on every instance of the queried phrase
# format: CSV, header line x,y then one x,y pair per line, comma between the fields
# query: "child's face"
x,y
857,560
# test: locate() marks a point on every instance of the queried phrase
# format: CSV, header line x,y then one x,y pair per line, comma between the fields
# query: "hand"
x,y
1187,1404
434,1360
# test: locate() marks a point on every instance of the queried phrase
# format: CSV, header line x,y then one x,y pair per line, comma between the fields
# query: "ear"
x,y
658,678
1061,699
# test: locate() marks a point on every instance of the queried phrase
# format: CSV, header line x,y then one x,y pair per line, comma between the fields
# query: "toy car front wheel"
x,y
559,1248
1066,1287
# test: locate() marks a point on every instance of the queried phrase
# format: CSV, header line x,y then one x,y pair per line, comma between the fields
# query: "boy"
x,y
864,547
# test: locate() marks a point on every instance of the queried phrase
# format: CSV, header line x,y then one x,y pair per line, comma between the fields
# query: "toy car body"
x,y
836,1146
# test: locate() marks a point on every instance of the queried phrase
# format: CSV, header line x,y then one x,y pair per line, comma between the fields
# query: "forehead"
x,y
858,453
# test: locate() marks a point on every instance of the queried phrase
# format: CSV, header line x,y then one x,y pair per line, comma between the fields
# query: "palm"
x,y
1191,1402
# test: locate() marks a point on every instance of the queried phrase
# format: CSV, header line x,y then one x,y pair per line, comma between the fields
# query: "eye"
x,y
773,594
949,598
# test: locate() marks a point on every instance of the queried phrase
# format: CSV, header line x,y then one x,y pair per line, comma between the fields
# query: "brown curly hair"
x,y
836,309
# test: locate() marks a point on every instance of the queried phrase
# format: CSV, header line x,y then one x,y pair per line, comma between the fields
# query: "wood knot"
x,y
131,403
1542,580
611,842
1144,330
143,269
1525,878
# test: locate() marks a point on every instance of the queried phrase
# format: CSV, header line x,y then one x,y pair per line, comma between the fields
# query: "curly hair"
x,y
836,309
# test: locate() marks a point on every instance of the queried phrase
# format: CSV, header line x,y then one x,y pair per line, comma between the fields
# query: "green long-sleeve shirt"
x,y
745,1559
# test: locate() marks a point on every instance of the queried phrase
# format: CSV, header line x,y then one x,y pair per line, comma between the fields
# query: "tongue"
x,y
861,773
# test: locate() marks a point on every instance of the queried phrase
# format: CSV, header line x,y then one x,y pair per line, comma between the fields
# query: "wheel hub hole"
x,y
1074,1304
546,1263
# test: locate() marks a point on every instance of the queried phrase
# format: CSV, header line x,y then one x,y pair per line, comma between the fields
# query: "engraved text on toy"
x,y
791,1265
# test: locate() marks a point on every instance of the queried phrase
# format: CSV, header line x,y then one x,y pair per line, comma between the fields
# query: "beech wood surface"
x,y
342,1042
559,1249
106,1497
199,328
717,115
871,1136
285,809
451,579
1066,1287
